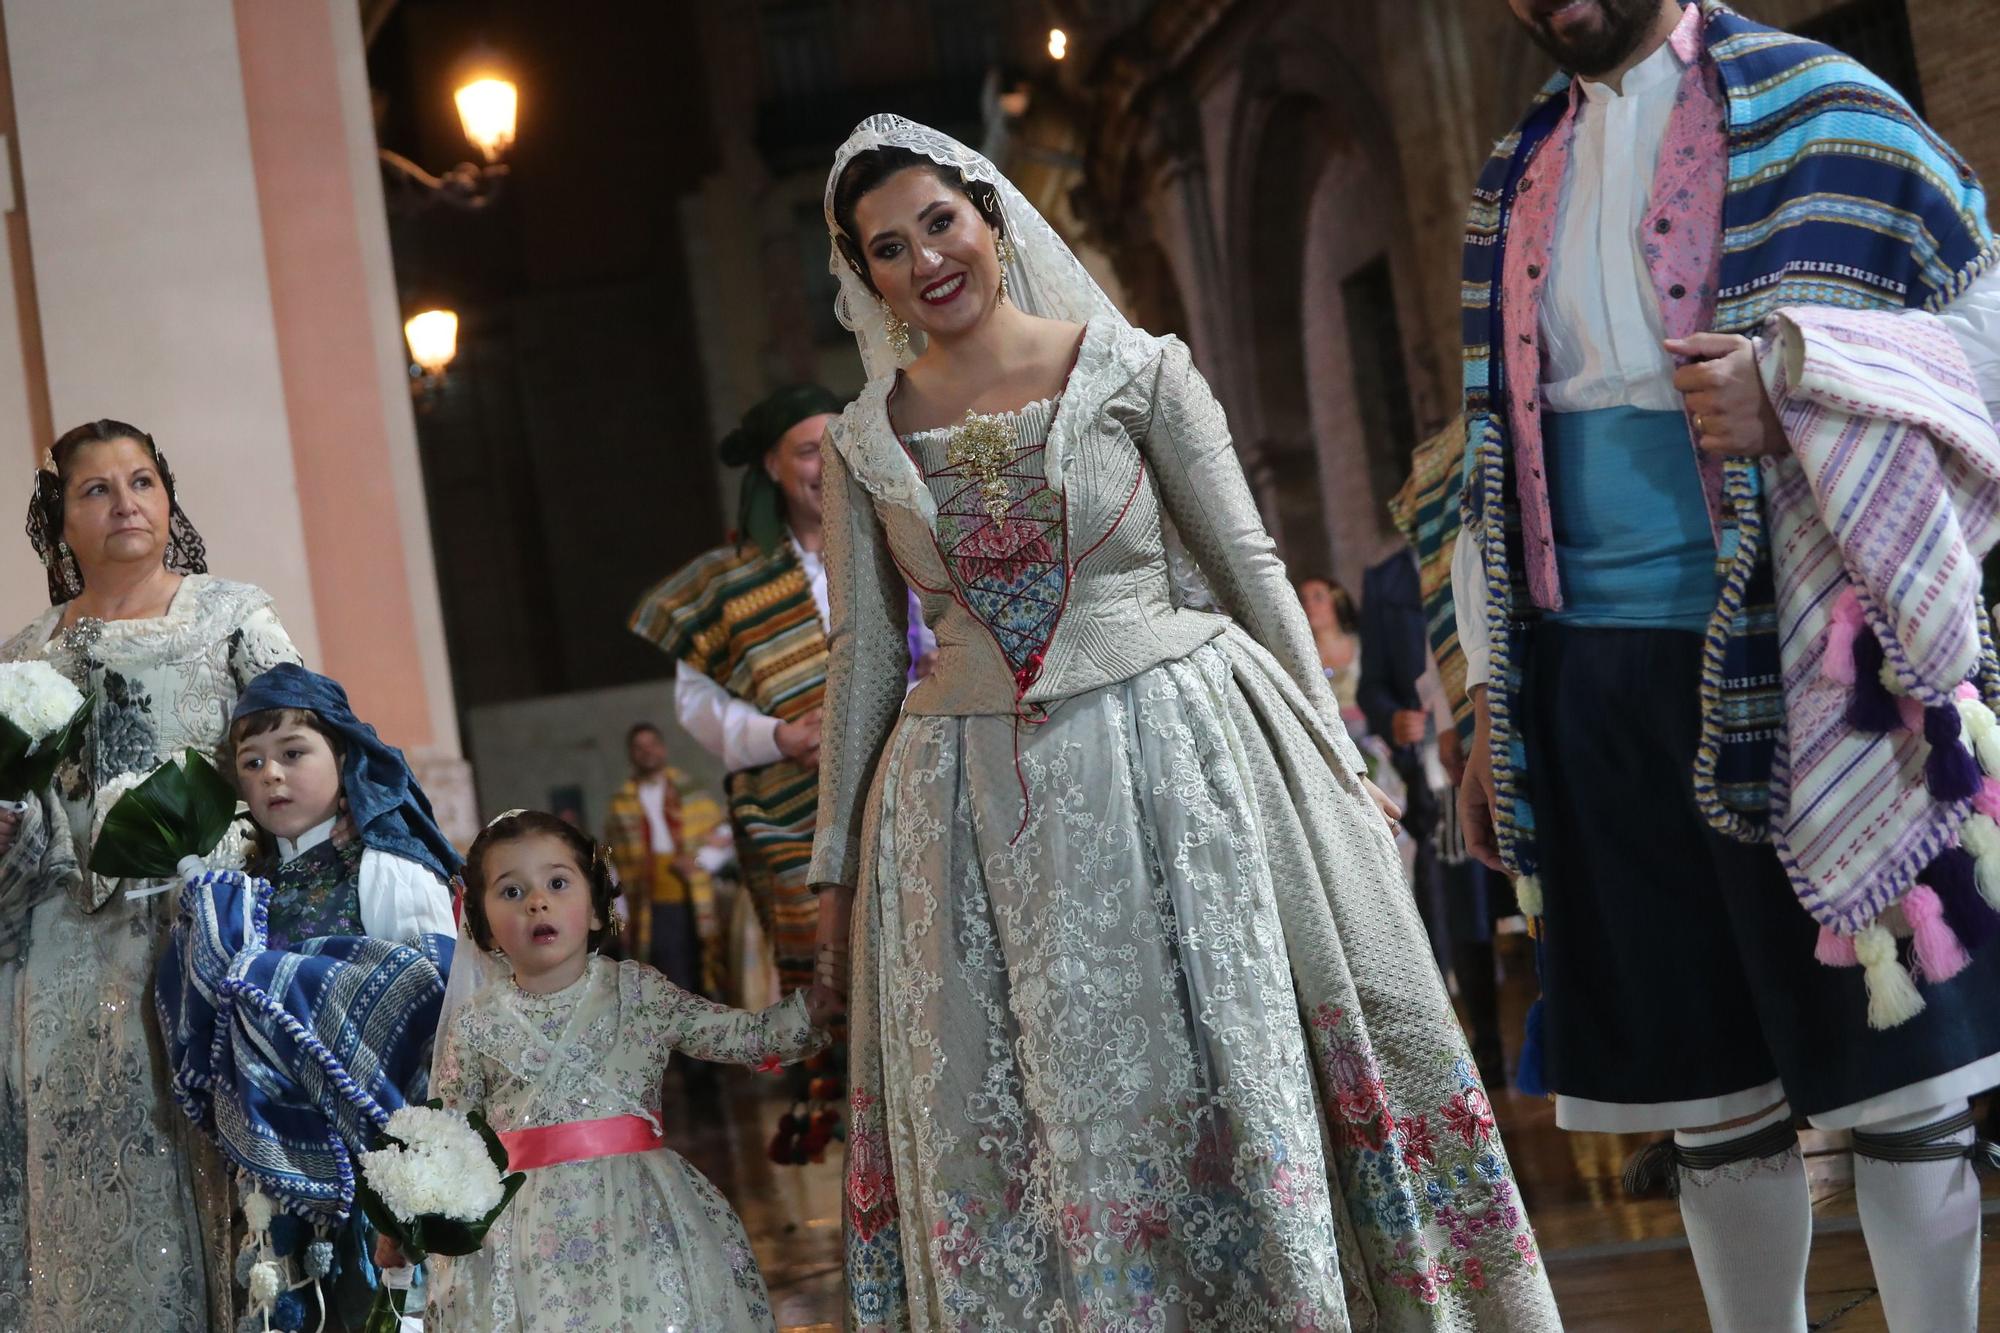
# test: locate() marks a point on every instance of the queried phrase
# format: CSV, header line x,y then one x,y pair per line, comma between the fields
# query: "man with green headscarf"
x,y
746,623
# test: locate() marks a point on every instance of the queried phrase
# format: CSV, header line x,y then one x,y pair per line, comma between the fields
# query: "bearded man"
x,y
1643,649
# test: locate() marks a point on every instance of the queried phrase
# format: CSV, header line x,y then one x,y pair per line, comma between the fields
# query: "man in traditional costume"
x,y
745,624
1719,607
654,828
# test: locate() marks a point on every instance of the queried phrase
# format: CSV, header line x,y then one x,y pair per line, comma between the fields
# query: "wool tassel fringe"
x,y
1982,731
1835,950
1871,708
1987,799
1837,662
1937,949
1954,877
1529,1075
1528,893
1892,995
1980,836
1950,772
1911,712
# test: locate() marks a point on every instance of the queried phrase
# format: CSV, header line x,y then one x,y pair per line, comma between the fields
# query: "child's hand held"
x,y
823,1005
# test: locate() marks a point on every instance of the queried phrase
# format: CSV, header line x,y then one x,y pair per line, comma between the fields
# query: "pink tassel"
x,y
1966,690
1912,712
1938,950
1835,950
1838,662
1987,799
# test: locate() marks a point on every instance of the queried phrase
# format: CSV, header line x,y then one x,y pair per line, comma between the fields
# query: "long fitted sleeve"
x,y
679,1020
1202,485
868,660
727,727
401,899
1468,607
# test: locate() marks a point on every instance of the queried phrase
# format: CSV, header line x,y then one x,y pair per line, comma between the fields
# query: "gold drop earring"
x,y
1003,249
898,331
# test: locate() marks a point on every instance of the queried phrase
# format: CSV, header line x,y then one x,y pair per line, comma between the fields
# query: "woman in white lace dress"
x,y
113,1212
1145,1031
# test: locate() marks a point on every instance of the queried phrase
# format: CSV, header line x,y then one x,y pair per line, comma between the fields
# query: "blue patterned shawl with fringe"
x,y
292,1061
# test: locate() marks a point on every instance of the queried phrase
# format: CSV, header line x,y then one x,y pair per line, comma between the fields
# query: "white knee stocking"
x,y
1919,1206
1749,1222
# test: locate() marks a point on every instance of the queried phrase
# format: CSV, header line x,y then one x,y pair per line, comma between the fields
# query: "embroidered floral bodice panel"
x,y
316,893
1001,529
1135,447
597,1047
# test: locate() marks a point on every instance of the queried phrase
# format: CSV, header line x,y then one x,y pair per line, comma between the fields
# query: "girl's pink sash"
x,y
579,1141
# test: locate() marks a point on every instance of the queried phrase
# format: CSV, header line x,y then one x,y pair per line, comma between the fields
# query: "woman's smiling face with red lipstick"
x,y
930,253
538,910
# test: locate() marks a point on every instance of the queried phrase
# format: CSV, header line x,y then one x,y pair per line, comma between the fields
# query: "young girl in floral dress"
x,y
613,1230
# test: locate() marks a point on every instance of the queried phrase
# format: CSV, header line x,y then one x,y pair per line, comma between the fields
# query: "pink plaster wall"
x,y
333,403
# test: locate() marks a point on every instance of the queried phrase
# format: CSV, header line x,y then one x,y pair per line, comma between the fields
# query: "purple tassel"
x,y
1951,773
1871,707
1953,877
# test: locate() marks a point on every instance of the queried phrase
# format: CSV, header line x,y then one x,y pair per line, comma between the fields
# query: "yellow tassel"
x,y
1892,996
1977,717
1982,732
1528,892
1980,836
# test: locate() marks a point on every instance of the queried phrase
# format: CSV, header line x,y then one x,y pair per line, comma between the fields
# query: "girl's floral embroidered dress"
x,y
640,1241
1146,1034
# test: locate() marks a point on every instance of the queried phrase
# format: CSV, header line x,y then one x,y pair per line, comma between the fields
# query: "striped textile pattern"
x,y
747,621
1426,512
292,1060
1892,488
1838,195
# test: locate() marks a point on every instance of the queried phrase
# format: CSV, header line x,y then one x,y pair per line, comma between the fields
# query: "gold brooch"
x,y
983,447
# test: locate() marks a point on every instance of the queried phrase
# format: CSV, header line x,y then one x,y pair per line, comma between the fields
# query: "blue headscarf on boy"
x,y
389,810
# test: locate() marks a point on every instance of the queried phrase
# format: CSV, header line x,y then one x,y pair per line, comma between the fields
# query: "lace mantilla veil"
x,y
1045,278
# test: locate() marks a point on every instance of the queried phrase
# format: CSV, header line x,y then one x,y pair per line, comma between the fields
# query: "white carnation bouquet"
x,y
435,1186
43,720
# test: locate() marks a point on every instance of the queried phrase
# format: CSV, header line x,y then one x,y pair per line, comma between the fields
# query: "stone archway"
x,y
1283,173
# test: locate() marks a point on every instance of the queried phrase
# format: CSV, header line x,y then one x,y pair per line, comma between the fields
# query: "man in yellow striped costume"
x,y
745,624
654,828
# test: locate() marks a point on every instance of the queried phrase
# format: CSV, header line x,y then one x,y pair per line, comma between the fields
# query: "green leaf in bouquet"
x,y
181,810
14,743
496,1151
445,1235
383,1316
35,771
213,803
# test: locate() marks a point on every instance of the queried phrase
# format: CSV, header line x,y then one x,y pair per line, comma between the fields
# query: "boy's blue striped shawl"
x,y
1837,195
293,1060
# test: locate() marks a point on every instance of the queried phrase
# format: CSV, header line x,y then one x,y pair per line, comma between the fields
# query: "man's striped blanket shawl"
x,y
1838,195
1891,490
1426,512
747,621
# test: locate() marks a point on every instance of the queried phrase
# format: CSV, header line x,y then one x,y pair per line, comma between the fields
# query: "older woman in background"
x,y
113,1214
